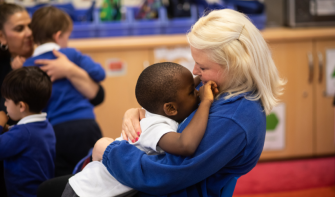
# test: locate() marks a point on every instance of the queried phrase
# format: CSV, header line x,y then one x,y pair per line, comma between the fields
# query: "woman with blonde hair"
x,y
229,50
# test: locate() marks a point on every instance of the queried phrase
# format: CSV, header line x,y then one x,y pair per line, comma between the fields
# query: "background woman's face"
x,y
17,34
207,69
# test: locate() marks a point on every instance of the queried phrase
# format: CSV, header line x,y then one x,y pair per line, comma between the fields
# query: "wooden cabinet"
x,y
324,112
309,112
291,59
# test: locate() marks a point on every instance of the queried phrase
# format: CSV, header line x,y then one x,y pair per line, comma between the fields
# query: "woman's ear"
x,y
56,36
170,109
3,40
23,106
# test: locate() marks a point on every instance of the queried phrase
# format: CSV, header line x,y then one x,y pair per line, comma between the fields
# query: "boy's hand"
x,y
208,91
3,118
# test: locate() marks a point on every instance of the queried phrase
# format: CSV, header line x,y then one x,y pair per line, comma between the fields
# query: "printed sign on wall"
x,y
115,67
275,128
330,72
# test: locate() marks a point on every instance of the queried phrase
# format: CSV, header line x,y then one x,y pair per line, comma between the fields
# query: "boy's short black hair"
x,y
47,21
158,84
30,85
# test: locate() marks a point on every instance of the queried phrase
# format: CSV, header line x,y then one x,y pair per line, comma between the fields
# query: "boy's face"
x,y
64,38
13,109
187,96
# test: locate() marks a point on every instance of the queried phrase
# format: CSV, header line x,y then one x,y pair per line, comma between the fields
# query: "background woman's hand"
x,y
208,91
3,119
57,68
17,62
131,128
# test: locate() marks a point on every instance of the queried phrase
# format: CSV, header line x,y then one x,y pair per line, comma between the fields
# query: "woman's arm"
x,y
163,174
186,143
62,67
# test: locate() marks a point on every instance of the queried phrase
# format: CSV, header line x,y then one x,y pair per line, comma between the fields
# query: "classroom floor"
x,y
315,192
313,177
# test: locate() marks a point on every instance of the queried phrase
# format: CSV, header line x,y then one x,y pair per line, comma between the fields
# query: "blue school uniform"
x,y
28,152
231,147
66,102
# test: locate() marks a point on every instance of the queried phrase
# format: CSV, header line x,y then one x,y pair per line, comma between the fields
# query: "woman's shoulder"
x,y
241,110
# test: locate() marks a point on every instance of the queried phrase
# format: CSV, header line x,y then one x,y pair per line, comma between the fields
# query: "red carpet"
x,y
281,176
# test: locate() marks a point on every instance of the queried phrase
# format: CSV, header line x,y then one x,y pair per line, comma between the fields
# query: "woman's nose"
x,y
28,32
196,70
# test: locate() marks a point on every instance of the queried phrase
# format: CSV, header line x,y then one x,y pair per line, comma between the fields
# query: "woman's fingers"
x,y
43,61
57,53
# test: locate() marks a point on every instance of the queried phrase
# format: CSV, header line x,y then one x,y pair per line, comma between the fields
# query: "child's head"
x,y
50,24
167,89
26,90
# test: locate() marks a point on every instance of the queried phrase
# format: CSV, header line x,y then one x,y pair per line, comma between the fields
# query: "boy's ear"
x,y
170,109
23,106
56,36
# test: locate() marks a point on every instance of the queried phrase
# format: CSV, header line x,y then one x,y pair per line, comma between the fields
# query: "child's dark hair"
x,y
30,85
158,84
47,21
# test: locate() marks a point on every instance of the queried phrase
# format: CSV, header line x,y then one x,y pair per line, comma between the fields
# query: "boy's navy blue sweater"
x,y
28,151
231,147
66,103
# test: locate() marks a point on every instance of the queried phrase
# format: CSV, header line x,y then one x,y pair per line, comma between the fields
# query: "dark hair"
x,y
158,84
30,85
47,21
8,9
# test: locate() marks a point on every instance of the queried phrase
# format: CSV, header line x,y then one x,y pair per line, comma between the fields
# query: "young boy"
x,y
69,112
167,92
28,148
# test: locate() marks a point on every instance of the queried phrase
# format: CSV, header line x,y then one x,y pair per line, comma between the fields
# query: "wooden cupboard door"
x,y
119,87
291,59
324,110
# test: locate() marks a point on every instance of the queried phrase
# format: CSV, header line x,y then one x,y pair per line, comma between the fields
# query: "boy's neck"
x,y
25,114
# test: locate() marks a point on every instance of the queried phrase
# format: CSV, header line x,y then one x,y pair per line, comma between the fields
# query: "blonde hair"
x,y
231,40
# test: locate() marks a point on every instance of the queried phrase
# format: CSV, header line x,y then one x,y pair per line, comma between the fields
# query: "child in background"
x,y
69,112
167,92
28,148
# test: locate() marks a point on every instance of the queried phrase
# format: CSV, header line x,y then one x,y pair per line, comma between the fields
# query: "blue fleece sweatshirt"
x,y
231,147
66,102
28,151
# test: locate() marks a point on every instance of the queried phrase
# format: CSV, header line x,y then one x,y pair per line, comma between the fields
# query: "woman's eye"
x,y
202,68
19,28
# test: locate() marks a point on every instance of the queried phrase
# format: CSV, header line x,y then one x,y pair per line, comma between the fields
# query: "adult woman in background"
x,y
16,44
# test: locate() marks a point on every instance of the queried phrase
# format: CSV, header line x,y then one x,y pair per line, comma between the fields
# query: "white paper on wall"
x,y
276,128
330,72
180,55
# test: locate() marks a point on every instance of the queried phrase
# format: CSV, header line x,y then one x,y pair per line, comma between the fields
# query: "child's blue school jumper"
x,y
66,102
231,147
28,151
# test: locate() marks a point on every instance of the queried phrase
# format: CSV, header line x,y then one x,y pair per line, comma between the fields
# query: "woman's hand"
x,y
57,68
208,91
62,67
100,147
131,128
3,119
17,62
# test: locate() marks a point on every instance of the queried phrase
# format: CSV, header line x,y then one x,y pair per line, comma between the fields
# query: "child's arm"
x,y
187,142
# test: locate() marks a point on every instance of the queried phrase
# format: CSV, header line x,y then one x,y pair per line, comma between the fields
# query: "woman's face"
x,y
207,69
17,34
